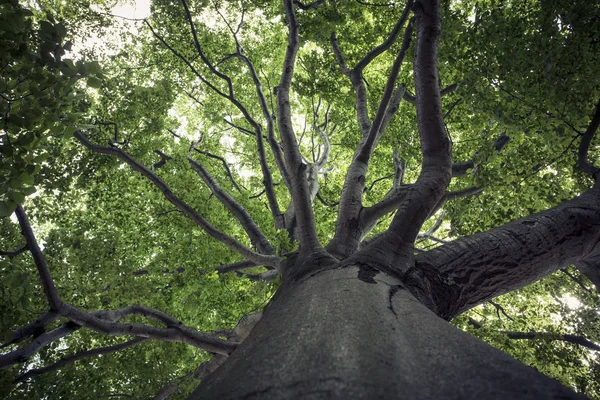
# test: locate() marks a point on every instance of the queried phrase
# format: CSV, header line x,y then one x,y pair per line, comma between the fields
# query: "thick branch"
x,y
436,168
362,111
209,367
75,357
25,353
586,140
461,168
34,328
40,262
347,233
298,183
257,238
390,203
180,204
369,144
167,391
472,270
392,108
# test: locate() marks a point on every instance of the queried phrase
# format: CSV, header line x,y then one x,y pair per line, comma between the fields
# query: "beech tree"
x,y
278,199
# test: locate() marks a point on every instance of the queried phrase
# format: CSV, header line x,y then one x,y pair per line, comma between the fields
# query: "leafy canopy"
x,y
526,70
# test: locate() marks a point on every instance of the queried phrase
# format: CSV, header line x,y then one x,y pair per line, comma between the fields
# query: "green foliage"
x,y
39,97
527,69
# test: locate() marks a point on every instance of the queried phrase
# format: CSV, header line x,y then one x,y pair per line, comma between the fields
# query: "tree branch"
x,y
13,253
40,262
75,357
347,234
467,192
102,321
177,333
180,204
257,238
266,276
34,328
461,168
203,57
436,169
576,280
298,183
225,165
362,112
235,266
186,61
573,339
163,159
586,140
474,269
267,178
412,99
391,39
23,354
167,391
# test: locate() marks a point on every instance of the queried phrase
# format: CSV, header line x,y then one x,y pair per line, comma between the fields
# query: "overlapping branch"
x,y
279,160
78,356
40,262
225,166
348,233
274,207
296,168
34,328
257,238
230,242
102,321
436,168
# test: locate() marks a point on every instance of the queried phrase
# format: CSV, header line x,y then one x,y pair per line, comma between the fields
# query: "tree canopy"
x,y
147,156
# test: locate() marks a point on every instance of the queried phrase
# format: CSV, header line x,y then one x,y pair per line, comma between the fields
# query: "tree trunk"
x,y
356,333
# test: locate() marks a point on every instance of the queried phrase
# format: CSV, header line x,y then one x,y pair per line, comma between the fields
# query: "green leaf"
x,y
62,31
26,179
47,28
92,67
94,82
28,190
16,197
7,208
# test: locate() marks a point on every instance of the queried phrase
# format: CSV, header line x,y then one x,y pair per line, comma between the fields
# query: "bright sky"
x,y
134,9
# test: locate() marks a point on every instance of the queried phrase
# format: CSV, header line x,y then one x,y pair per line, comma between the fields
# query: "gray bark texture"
x,y
354,333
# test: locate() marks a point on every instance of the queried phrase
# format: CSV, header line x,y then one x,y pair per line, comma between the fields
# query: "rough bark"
x,y
353,333
474,269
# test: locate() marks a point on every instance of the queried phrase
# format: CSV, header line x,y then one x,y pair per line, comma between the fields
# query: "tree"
x,y
312,100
